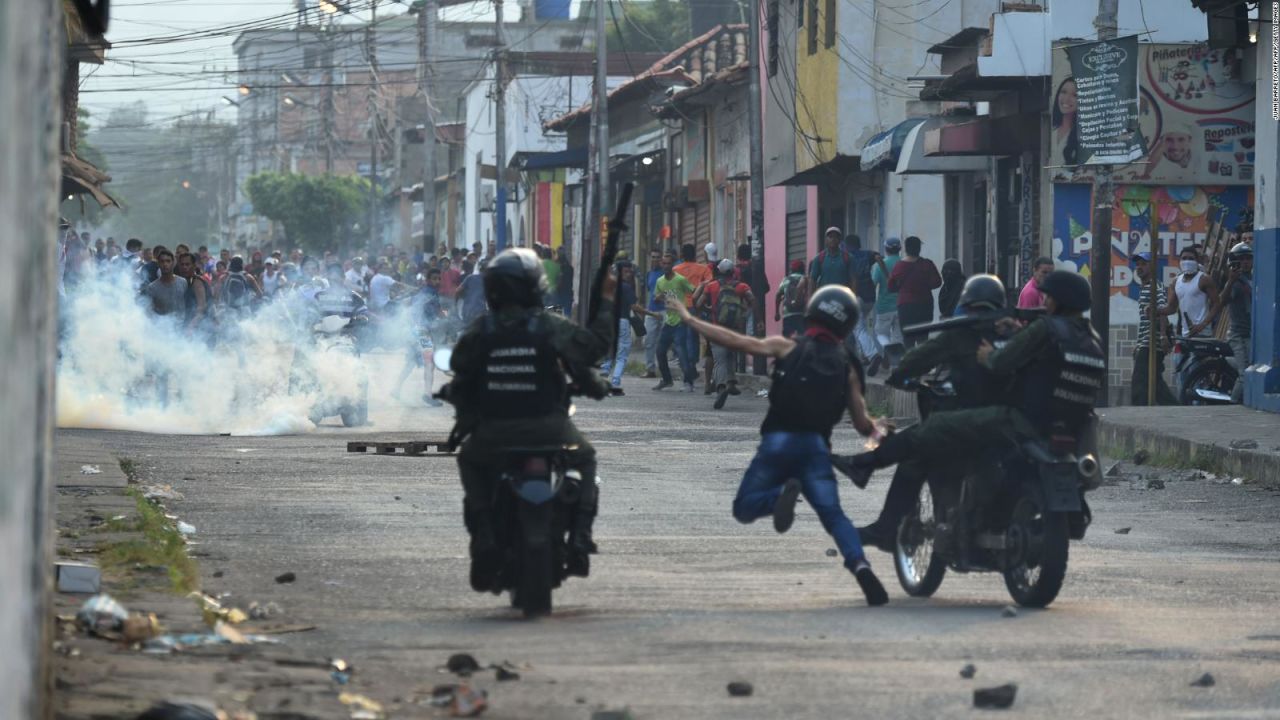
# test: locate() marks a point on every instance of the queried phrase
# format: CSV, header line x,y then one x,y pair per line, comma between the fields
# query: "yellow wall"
x,y
817,76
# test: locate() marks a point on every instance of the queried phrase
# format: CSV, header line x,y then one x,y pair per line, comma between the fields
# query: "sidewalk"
x,y
1202,437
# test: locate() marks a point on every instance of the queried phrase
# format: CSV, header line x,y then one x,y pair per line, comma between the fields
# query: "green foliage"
x,y
657,26
314,209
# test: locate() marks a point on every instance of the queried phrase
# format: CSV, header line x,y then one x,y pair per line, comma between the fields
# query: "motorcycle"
x,y
1013,511
335,336
533,510
1206,369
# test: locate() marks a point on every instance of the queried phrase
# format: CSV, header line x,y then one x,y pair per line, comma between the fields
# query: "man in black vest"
x,y
1057,368
510,390
816,379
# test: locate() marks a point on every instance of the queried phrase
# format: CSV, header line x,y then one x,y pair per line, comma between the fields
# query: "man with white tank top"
x,y
1193,300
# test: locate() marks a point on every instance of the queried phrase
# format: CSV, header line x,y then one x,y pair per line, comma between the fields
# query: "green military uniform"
x,y
580,349
956,349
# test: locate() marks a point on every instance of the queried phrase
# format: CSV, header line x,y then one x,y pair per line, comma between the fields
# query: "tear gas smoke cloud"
x,y
263,376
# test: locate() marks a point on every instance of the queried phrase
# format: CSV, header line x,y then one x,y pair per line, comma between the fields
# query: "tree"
x,y
314,209
657,26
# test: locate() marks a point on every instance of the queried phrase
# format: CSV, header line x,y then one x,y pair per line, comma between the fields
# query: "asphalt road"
x,y
683,599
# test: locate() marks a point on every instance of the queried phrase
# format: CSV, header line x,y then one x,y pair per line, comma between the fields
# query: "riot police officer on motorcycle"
x,y
1056,367
510,390
955,349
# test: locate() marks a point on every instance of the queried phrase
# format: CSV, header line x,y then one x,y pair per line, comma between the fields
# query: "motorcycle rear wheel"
x,y
537,558
1036,580
1216,375
919,567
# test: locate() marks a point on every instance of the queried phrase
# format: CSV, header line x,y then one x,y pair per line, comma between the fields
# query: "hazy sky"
x,y
176,54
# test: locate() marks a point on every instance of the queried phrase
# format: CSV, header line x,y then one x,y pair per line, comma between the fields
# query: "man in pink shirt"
x,y
1031,298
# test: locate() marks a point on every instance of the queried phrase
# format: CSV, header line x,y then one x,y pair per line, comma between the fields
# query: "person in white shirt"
x,y
1193,296
354,278
380,287
272,278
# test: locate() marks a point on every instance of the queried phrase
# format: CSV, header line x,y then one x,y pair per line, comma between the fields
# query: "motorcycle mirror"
x,y
440,357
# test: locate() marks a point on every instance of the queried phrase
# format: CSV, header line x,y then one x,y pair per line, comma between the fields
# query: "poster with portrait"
x,y
1194,112
1103,97
1159,220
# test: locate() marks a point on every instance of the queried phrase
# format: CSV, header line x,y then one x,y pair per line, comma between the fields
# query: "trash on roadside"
x,y
264,611
139,627
1235,445
740,688
997,698
763,393
1155,484
244,450
223,635
361,706
1123,530
160,492
1009,611
285,578
832,552
503,674
213,611
461,700
78,577
462,664
186,528
1237,481
101,615
95,470
340,670
968,671
1205,680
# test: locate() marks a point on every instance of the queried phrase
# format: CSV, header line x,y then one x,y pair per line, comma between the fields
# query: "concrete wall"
x,y
31,43
1262,381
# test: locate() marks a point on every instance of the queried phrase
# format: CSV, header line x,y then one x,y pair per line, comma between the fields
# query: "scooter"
x,y
1014,511
1206,369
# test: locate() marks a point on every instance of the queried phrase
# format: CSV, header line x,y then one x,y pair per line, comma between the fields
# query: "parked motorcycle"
x,y
1206,369
1013,511
533,511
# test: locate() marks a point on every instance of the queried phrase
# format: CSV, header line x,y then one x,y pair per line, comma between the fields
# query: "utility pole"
x,y
601,105
755,126
589,216
1103,198
500,129
426,71
327,108
371,38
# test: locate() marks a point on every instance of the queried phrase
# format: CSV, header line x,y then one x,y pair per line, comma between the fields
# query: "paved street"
x,y
683,599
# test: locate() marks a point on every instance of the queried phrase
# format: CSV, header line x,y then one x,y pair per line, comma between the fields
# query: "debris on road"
x,y
362,706
285,578
968,671
1140,457
1155,484
263,612
1204,681
186,528
1244,444
1237,481
995,698
832,552
90,470
1123,530
78,577
1114,470
340,670
160,492
101,615
503,674
740,688
461,700
462,664
1009,611
213,611
139,627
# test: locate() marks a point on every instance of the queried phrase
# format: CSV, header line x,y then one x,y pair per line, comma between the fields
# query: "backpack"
x,y
810,391
815,268
235,291
792,299
730,309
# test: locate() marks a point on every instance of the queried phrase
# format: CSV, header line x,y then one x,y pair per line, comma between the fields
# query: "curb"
x,y
1123,440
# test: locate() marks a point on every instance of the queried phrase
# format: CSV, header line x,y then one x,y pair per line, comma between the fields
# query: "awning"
x,y
883,149
913,161
834,170
80,177
575,157
986,136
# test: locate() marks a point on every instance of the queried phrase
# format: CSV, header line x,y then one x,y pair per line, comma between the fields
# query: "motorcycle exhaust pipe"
x,y
1088,466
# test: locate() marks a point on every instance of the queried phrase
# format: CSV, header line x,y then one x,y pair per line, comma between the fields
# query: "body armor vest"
x,y
1061,389
521,377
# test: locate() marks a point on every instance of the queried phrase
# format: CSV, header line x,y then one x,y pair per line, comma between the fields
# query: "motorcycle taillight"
x,y
535,466
1062,444
1177,348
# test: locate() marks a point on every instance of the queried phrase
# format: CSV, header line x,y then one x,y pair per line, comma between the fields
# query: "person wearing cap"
x,y
888,329
1056,368
790,301
1142,348
1237,297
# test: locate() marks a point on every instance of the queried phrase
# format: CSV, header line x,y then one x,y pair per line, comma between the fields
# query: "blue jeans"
x,y
675,335
805,456
614,369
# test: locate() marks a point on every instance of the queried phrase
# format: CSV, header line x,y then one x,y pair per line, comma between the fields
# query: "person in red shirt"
x,y
698,274
728,302
450,279
914,279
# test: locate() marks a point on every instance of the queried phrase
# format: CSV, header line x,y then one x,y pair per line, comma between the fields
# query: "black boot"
x,y
581,543
485,554
879,535
867,580
893,449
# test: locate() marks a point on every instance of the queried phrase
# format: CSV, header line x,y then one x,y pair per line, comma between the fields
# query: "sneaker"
x,y
873,367
721,397
859,474
663,385
870,584
616,391
878,536
784,509
688,387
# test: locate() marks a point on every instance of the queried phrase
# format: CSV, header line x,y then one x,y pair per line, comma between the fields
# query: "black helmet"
x,y
1070,291
835,308
515,277
1240,250
982,292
